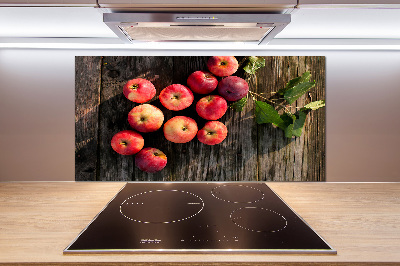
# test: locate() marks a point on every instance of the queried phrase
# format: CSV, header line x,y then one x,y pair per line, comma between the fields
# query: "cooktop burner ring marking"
x,y
167,222
258,231
254,201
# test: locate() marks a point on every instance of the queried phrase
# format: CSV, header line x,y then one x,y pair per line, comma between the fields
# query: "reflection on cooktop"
x,y
198,217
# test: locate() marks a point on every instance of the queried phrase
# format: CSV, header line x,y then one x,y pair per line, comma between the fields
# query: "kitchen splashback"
x,y
277,136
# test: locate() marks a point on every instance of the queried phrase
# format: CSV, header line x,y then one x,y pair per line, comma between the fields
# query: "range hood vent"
x,y
157,27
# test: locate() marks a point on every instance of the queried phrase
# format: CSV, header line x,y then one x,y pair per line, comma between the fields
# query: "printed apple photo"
x,y
200,118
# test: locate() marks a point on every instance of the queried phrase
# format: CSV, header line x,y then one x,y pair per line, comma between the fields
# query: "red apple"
x,y
176,97
222,66
233,88
145,118
202,82
150,160
139,90
180,129
127,142
211,107
213,132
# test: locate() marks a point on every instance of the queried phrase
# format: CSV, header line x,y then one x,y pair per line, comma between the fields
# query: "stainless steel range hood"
x,y
257,28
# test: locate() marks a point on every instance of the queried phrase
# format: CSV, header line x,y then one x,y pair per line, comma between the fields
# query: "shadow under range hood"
x,y
258,28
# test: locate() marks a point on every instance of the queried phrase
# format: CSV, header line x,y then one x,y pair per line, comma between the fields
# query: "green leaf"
x,y
289,131
314,105
293,123
265,113
294,93
289,85
305,76
253,64
288,124
287,119
239,105
299,123
296,81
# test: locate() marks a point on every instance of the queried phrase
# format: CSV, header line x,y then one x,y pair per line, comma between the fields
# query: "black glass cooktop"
x,y
198,217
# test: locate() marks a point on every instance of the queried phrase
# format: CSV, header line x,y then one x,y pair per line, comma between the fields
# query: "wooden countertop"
x,y
360,220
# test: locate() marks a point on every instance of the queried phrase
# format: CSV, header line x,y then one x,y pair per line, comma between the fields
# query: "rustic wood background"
x,y
250,152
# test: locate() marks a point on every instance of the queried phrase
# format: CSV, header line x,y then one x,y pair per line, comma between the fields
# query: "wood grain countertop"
x,y
360,220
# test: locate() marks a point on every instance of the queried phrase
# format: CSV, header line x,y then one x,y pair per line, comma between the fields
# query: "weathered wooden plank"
x,y
241,143
87,100
184,159
317,124
159,70
115,107
233,159
271,140
113,115
301,158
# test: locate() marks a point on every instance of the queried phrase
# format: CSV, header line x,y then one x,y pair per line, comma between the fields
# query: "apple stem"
x,y
258,95
268,100
134,87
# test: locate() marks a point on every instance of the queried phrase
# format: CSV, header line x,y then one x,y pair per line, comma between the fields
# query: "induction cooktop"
x,y
198,217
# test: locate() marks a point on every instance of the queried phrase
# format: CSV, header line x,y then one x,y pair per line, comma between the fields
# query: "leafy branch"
x,y
267,108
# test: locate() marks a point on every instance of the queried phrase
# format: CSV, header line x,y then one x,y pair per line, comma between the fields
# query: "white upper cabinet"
x,y
349,3
48,3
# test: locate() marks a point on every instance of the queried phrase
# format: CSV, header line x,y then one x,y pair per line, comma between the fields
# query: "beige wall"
x,y
37,112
